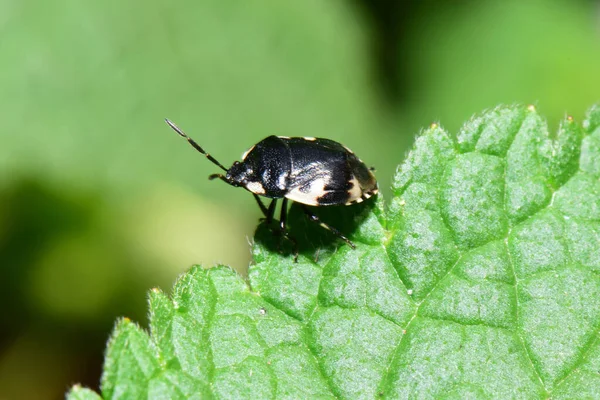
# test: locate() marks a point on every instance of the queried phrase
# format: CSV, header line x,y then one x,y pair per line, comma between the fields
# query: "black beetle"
x,y
310,171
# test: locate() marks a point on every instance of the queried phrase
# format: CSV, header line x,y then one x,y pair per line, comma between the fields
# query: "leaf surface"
x,y
480,280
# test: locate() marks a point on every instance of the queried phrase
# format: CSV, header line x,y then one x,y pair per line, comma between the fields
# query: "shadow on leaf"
x,y
314,241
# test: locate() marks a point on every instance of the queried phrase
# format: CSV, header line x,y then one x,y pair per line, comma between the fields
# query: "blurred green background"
x,y
100,200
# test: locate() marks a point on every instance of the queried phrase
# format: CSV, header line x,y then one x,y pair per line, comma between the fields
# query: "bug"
x,y
309,171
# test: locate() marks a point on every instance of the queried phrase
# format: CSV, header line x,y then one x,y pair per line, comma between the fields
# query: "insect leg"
x,y
282,225
271,211
330,228
283,214
261,205
268,212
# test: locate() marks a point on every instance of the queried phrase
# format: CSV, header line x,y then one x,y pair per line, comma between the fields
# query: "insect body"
x,y
309,171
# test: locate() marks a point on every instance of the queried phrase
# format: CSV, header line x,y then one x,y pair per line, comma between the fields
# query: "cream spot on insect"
x,y
355,191
317,187
308,194
309,138
281,181
255,187
266,175
368,195
359,195
283,137
247,152
349,151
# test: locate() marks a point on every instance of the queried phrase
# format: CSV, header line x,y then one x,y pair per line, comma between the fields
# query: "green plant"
x,y
480,280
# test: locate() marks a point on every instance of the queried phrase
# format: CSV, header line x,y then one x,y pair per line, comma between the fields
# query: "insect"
x,y
306,170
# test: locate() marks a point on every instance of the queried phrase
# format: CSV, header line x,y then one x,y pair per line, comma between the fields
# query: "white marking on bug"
x,y
266,175
355,191
309,138
367,195
283,137
281,181
247,152
349,151
255,187
309,197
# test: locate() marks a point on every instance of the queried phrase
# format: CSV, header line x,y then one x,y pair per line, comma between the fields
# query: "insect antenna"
x,y
194,144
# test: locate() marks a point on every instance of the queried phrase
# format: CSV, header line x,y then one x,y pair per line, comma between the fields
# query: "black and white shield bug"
x,y
310,171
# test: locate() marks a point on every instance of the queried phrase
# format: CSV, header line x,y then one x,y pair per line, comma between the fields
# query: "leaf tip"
x,y
592,119
78,392
74,391
123,324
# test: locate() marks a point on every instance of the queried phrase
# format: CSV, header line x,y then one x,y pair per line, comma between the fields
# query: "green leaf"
x,y
481,280
79,393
